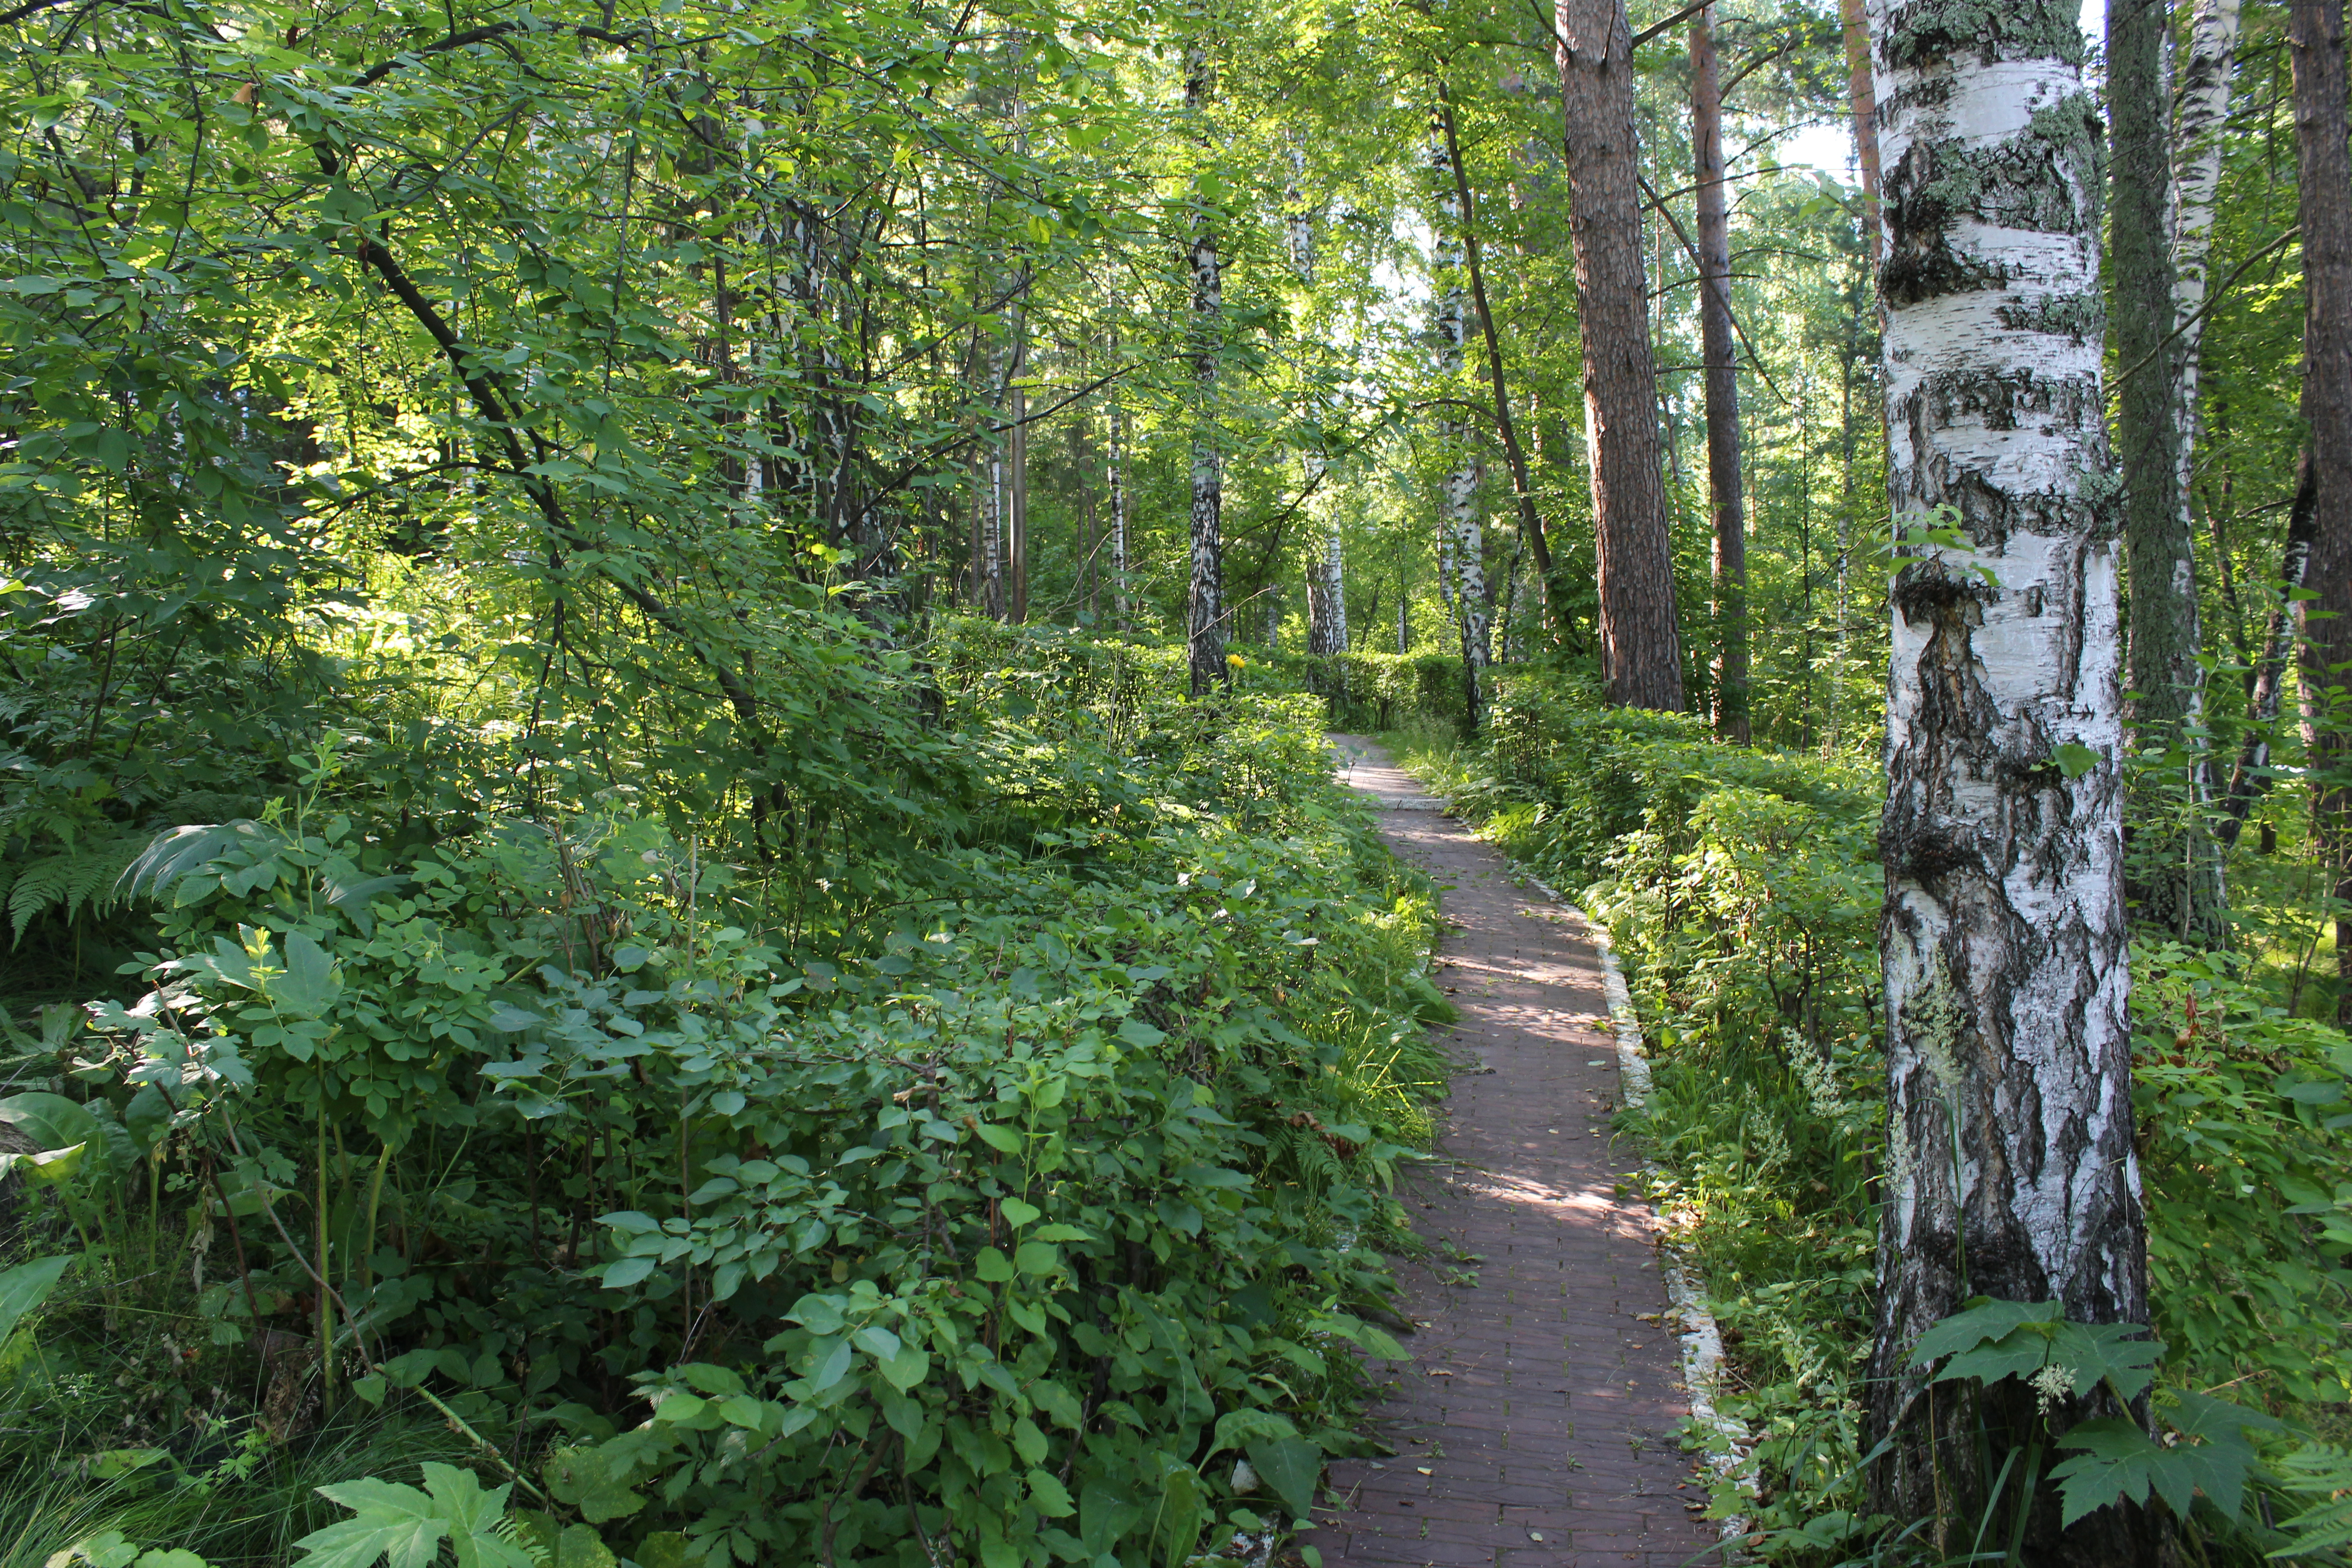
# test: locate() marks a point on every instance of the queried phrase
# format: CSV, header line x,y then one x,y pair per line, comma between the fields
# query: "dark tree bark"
x,y
2010,1166
1730,509
2316,40
2172,876
2251,777
1641,644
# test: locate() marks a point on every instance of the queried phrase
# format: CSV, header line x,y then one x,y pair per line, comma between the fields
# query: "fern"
x,y
84,876
2324,1473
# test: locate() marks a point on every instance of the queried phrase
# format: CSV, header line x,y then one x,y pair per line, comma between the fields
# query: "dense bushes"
x,y
1742,888
731,1234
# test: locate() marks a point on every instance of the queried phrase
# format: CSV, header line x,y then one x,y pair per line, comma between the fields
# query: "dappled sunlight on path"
x,y
1535,1423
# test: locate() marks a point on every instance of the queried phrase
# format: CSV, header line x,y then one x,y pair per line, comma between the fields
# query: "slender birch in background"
x,y
1463,528
2009,1169
1205,611
1723,480
2172,876
1327,576
1640,646
1506,431
2324,197
1116,481
2202,110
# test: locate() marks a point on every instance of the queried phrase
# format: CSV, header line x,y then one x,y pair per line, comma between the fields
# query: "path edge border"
x,y
1701,1337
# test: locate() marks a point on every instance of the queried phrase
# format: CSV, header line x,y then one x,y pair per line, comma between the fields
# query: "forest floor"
x,y
1538,1420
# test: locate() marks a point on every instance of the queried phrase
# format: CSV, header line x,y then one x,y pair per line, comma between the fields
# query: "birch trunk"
x,y
1722,386
2009,1169
1464,532
2316,40
1640,646
2203,110
1531,527
1204,618
2172,875
1326,596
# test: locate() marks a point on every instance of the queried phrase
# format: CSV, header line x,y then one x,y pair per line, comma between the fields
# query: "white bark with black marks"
x,y
1464,529
1204,618
2009,1169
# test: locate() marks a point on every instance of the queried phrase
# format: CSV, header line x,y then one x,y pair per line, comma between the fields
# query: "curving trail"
x,y
1537,1423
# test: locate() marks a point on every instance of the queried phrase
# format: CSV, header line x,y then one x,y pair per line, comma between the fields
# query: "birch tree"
x,y
2203,110
1204,617
2009,1168
1640,646
1464,529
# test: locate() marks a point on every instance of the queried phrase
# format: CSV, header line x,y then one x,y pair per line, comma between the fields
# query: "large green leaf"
x,y
28,1285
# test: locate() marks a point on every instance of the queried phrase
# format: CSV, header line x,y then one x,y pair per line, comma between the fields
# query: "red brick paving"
x,y
1535,1427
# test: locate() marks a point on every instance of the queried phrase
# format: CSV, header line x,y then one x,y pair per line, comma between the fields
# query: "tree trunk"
x,y
1117,480
2204,100
1204,617
1326,582
1016,532
1722,386
1530,522
2251,777
2316,40
1852,14
1465,531
2009,1169
1641,647
2172,876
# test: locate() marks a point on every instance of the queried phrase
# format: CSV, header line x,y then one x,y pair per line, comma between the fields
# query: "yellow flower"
x,y
1237,661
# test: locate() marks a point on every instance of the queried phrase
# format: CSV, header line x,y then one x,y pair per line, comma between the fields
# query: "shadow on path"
x,y
1537,1422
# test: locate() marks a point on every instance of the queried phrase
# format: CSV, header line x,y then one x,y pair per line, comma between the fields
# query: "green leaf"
x,y
2115,1461
1176,1524
1052,1498
2074,761
1017,1213
1291,1466
397,1523
991,1266
1001,1138
28,1285
1037,1257
309,985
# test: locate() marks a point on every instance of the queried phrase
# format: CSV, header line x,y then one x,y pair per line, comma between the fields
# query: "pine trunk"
x,y
2172,875
1854,17
2009,1168
2316,40
1723,480
1640,646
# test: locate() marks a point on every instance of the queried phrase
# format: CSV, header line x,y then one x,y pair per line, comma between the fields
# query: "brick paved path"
x,y
1535,1424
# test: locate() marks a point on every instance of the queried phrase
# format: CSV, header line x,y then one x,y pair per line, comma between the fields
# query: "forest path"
x,y
1537,1422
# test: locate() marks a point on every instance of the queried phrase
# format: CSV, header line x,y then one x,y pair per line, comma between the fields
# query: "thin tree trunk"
x,y
2172,875
1118,487
1722,386
2251,777
2316,39
2204,100
1854,17
1464,529
1326,597
1016,532
1204,618
2010,1167
1640,646
1530,524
